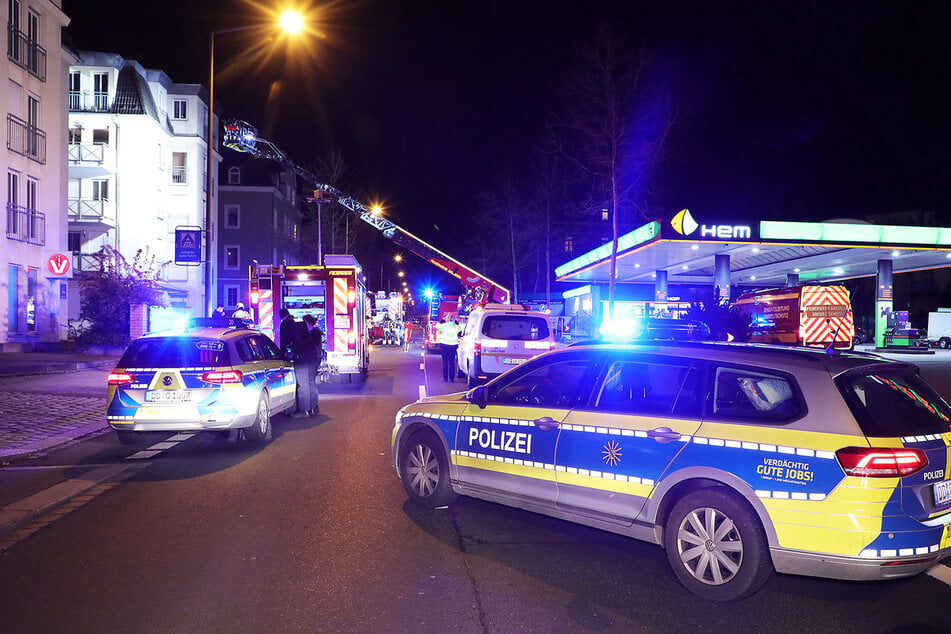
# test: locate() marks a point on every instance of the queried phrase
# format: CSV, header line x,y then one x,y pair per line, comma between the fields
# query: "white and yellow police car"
x,y
217,375
739,459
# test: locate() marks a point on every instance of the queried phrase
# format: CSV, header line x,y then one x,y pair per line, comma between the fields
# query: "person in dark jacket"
x,y
295,340
316,336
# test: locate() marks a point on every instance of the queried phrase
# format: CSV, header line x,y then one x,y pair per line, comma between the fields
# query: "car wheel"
x,y
716,546
944,342
130,437
425,471
260,431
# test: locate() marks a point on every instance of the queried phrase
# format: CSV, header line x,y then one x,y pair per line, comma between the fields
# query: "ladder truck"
x,y
479,289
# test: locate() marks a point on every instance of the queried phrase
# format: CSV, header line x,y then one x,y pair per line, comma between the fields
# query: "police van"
x,y
498,337
738,459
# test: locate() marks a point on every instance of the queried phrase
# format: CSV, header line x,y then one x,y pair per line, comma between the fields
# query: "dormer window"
x,y
234,175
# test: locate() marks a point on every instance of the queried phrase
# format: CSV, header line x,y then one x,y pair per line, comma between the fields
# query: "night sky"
x,y
796,110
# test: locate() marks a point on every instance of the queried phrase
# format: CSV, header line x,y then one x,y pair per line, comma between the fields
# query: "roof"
x,y
761,253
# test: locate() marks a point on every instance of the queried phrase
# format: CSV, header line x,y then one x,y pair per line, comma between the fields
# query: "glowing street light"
x,y
397,258
290,22
401,273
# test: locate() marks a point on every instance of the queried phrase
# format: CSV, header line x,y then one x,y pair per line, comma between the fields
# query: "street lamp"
x,y
290,22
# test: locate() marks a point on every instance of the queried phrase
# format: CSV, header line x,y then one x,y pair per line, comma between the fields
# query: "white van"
x,y
501,336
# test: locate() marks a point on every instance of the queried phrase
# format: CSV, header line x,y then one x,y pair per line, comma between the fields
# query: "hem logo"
x,y
684,224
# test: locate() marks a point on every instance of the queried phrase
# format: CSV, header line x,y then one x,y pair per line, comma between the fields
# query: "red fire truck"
x,y
335,294
808,315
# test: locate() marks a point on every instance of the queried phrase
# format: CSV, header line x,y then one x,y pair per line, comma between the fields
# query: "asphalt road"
x,y
313,533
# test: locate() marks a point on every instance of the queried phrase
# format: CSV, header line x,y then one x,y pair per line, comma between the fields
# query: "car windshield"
x,y
895,404
175,352
515,327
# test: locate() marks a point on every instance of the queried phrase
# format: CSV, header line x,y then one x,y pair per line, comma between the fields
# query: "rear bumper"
x,y
854,568
157,423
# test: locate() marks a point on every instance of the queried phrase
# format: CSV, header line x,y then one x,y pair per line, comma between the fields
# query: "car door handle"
x,y
663,434
545,423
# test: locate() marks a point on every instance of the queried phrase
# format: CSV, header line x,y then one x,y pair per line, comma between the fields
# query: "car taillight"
x,y
477,346
120,378
881,462
222,376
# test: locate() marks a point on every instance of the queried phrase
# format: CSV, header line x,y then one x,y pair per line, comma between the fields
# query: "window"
x,y
569,244
232,216
249,349
741,393
651,387
31,300
515,327
32,218
231,295
179,109
234,175
896,403
100,137
13,203
100,189
175,352
232,256
100,91
74,91
553,383
74,241
179,168
268,348
76,135
604,215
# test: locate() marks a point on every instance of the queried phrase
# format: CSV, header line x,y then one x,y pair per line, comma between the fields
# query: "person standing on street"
x,y
447,333
240,312
407,334
316,336
297,345
219,312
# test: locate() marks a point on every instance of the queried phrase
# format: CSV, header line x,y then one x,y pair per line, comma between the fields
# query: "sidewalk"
x,y
50,398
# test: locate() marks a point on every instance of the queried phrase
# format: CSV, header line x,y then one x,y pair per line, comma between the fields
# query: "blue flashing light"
x,y
621,329
429,293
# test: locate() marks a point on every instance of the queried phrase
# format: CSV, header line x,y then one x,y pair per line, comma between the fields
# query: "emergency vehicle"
x,y
738,459
334,293
388,314
808,315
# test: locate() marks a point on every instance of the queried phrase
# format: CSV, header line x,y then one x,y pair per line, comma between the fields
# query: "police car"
x,y
217,375
738,459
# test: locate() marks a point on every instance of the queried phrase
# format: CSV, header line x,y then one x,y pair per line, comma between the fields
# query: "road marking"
x,y
180,437
159,447
142,455
941,572
422,391
422,366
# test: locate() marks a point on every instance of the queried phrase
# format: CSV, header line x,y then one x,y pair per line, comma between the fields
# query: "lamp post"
x,y
290,22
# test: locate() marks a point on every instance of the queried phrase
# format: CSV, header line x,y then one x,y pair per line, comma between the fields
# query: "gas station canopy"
x,y
763,253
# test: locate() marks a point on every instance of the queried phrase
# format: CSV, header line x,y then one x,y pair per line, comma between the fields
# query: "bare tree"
x,y
614,129
332,222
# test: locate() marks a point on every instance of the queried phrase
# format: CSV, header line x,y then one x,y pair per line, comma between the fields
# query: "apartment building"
x,y
259,219
137,156
33,252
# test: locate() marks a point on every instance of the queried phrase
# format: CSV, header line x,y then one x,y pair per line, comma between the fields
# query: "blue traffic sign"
x,y
188,245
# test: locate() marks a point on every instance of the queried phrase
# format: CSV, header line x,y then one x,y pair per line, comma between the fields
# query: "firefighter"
x,y
447,334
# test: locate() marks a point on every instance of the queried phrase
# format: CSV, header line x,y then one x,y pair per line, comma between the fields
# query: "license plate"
x,y
510,361
168,396
942,493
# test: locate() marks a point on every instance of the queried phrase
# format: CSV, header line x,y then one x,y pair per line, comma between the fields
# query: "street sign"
x,y
187,245
58,264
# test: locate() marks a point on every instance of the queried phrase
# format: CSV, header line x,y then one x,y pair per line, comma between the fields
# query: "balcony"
x,y
26,225
85,101
26,139
26,53
87,262
85,153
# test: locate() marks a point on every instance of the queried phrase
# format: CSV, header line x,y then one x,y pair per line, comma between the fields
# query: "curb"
x,y
56,367
56,440
17,514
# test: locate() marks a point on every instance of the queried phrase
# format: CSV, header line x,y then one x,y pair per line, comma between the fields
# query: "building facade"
x,y
137,157
259,218
33,283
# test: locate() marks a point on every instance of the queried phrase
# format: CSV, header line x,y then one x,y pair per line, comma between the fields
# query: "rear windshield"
x,y
175,352
515,327
895,404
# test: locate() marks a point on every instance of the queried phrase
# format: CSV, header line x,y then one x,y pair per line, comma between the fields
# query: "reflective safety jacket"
x,y
448,333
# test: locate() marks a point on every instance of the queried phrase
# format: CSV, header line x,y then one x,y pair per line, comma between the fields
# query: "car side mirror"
x,y
478,395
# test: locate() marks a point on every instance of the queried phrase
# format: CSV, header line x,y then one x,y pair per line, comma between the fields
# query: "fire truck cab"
x,y
334,293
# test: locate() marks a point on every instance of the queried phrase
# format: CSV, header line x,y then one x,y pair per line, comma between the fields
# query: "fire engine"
x,y
807,315
479,289
335,294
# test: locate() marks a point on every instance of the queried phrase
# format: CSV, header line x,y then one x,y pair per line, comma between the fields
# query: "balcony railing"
x,y
26,139
26,53
26,225
179,174
85,101
86,262
85,153
85,210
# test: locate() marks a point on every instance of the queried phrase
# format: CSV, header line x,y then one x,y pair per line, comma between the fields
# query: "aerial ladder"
x,y
243,137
